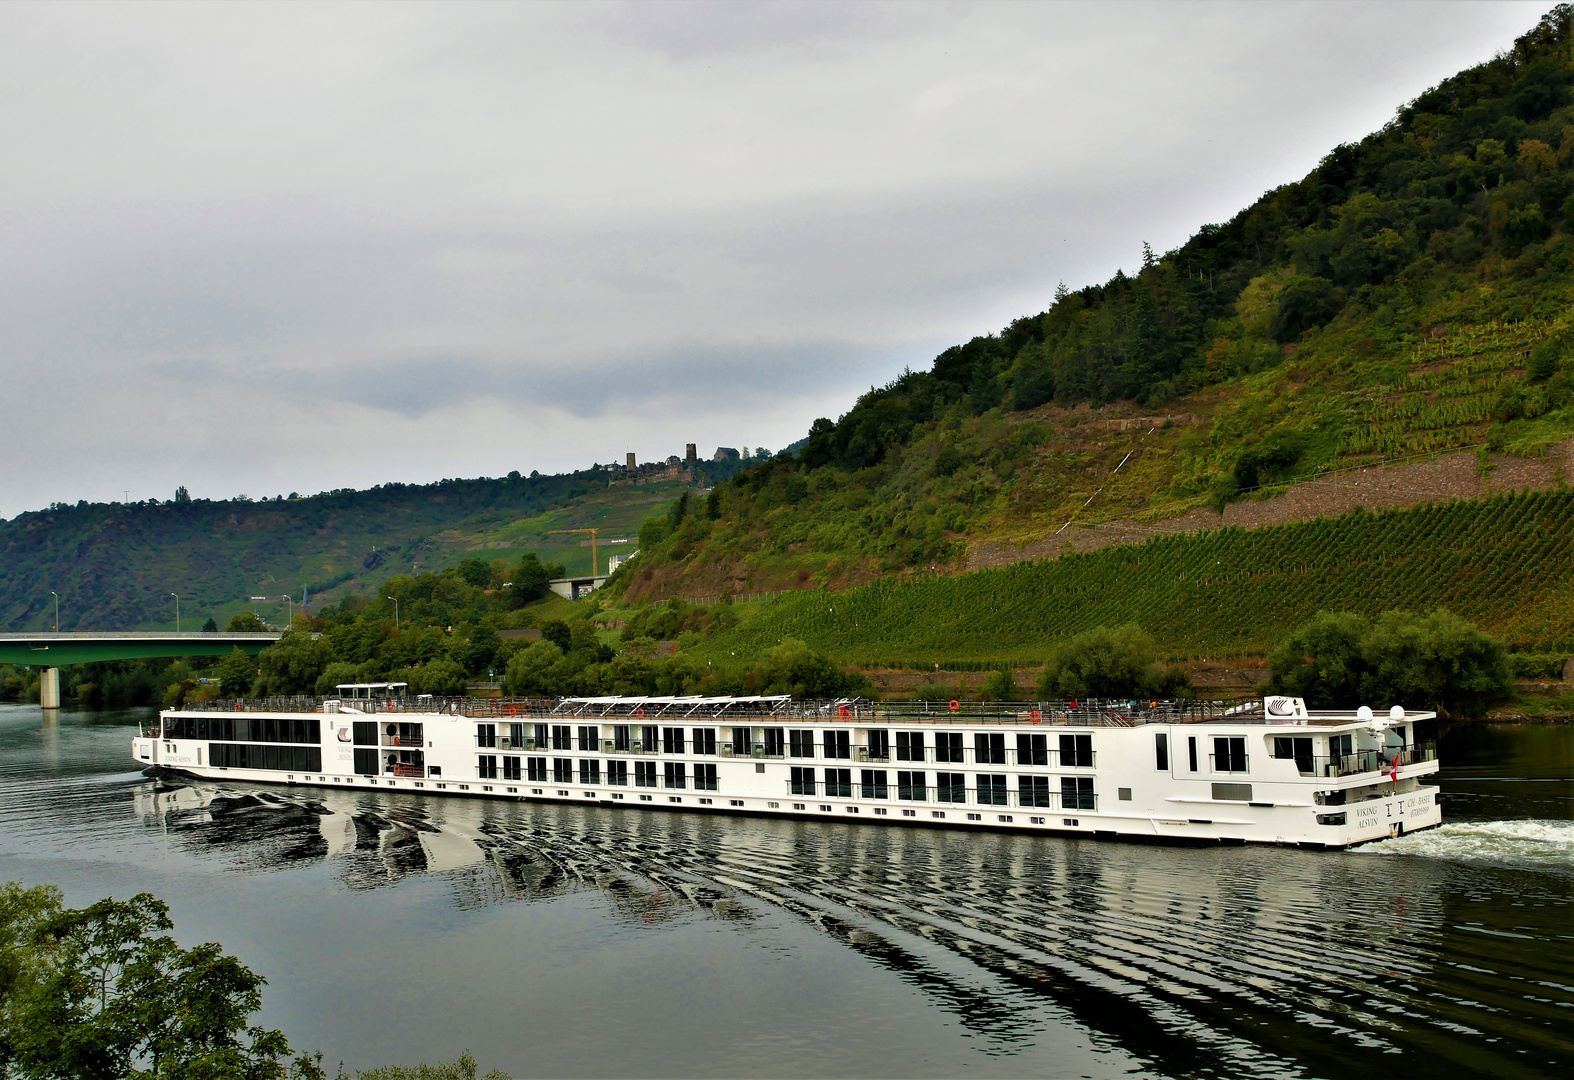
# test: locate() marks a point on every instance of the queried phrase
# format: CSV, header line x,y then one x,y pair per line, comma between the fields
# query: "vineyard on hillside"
x,y
1506,563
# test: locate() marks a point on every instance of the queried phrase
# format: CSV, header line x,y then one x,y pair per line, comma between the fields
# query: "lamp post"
x,y
57,609
287,601
395,599
177,612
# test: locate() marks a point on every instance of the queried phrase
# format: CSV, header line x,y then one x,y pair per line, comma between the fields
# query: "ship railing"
x,y
944,795
417,772
1086,713
1355,762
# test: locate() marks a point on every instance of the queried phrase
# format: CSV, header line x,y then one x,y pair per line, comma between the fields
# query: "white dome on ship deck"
x,y
1364,713
1396,713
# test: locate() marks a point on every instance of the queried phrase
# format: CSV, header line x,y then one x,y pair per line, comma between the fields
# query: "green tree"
x,y
1000,686
531,577
441,677
531,672
558,633
475,572
104,991
210,627
236,673
652,533
246,622
794,668
1109,662
293,664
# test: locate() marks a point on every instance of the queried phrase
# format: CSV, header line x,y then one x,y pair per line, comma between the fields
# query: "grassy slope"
x,y
1506,563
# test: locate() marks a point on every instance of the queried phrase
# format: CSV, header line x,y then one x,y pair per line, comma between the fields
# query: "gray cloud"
x,y
268,248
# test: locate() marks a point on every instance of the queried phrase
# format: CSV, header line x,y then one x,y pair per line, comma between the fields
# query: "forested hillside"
x,y
1410,295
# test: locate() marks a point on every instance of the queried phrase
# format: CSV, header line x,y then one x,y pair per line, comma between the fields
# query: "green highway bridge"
x,y
51,651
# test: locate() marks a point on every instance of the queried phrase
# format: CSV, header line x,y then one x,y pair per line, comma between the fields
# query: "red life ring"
x,y
513,710
955,704
843,711
1036,717
640,712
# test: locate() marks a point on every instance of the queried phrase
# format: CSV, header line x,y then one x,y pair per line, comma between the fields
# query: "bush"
x,y
1436,661
793,668
1537,665
1000,686
933,692
1110,662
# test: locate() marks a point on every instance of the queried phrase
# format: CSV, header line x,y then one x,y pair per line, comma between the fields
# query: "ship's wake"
x,y
1540,845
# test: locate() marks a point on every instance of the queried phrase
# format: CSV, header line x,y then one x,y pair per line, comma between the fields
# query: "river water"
x,y
582,941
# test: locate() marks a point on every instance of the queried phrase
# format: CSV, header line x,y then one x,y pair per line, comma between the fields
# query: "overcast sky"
x,y
290,247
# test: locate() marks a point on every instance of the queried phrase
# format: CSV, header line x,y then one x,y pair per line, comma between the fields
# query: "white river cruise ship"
x,y
1269,771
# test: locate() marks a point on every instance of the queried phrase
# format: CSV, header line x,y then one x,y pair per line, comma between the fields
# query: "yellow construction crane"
x,y
592,532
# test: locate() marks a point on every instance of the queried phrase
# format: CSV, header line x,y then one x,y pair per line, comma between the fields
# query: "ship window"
x,y
872,783
486,766
589,738
365,733
1032,750
948,747
542,737
1161,752
1076,793
1297,748
644,774
562,770
672,740
800,743
589,771
705,777
909,746
1191,752
991,790
674,774
742,746
838,744
560,737
802,781
620,738
705,740
839,783
1033,790
910,785
1229,754
1123,794
618,773
536,768
366,761
516,735
486,735
1076,751
286,759
879,744
989,748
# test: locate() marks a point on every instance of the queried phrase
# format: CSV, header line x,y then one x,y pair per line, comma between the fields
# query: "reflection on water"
x,y
1450,953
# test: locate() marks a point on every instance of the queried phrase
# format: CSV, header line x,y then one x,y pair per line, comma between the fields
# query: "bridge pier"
x,y
49,688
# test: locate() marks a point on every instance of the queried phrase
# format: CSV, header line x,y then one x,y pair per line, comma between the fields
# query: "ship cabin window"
x,y
950,787
775,741
1033,790
516,736
1161,752
486,767
562,770
560,737
1340,747
366,762
276,758
1191,752
486,735
365,733
589,738
266,729
672,740
648,739
1297,748
801,781
1076,751
742,744
621,739
674,774
839,783
879,744
1076,793
909,746
948,747
838,744
705,777
618,773
1229,753
705,740
644,774
872,783
910,785
589,771
536,769
1032,750
543,736
991,790
989,748
800,743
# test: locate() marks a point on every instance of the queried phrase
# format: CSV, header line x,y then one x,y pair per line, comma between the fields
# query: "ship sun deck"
x,y
1268,771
